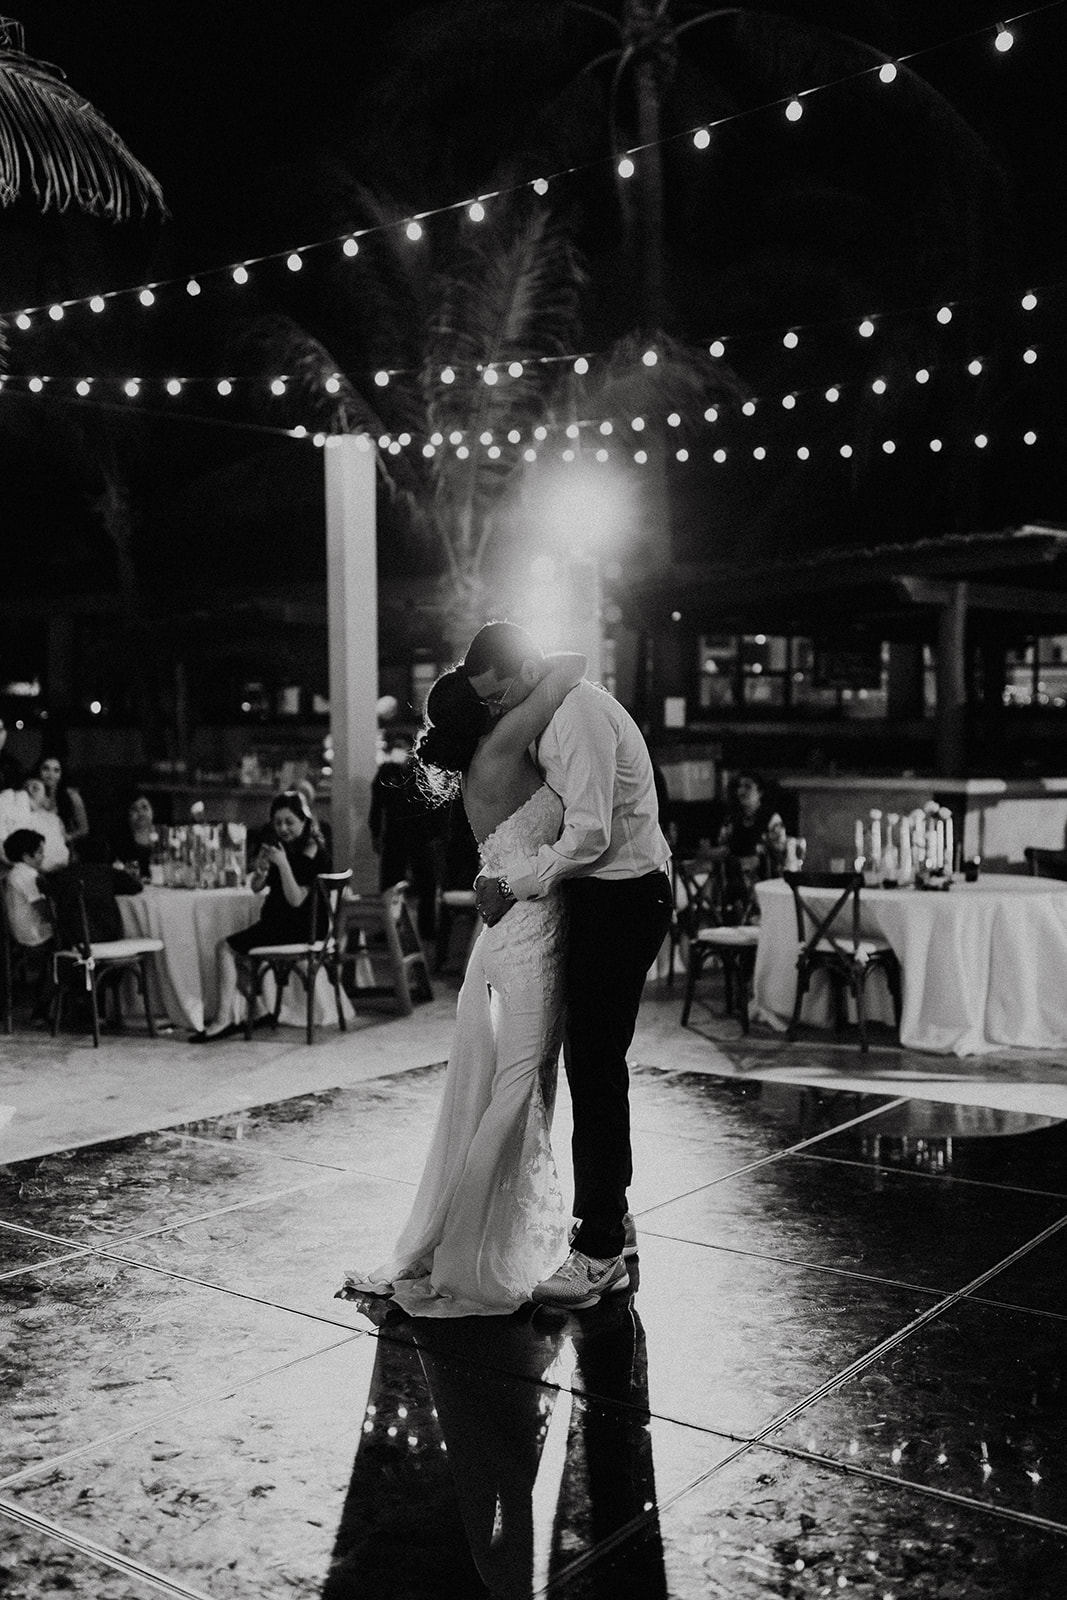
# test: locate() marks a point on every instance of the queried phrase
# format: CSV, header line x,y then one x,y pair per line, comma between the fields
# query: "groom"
x,y
610,861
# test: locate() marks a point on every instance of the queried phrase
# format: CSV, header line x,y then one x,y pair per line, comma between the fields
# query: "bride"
x,y
488,1220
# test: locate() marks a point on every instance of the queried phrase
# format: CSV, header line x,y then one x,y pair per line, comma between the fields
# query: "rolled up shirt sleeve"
x,y
587,761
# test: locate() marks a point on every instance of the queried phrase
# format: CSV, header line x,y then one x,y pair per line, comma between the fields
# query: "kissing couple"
x,y
557,784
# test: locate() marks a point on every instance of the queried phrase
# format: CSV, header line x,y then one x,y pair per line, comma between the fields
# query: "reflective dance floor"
x,y
841,1369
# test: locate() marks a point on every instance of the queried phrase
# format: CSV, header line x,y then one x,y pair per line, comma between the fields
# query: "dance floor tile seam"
x,y
154,1582
155,1419
908,1486
889,1168
776,1155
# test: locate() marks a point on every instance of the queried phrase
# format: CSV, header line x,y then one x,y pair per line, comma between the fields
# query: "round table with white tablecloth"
x,y
190,923
984,964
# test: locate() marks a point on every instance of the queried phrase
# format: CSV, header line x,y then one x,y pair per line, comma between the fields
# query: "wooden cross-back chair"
x,y
307,959
846,958
704,925
97,965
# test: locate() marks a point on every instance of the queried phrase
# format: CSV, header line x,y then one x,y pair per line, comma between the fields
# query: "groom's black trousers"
x,y
615,928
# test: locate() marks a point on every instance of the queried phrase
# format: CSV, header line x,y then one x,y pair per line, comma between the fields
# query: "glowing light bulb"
x,y
541,433
1029,356
192,288
514,436
640,456
638,424
540,186
674,420
749,408
711,414
240,274
224,386
702,138
294,261
789,401
82,386
462,452
529,454
414,231
888,446
573,430
405,439
866,328
719,456
681,455
568,455
803,453
35,385
476,211
146,297
581,366
626,168
351,247
332,384
922,376
790,340
974,368
846,451
277,386
759,454
485,438
515,369
448,375
980,441
716,348
935,445
381,378
132,387
833,394
650,358
174,386
1030,437
794,110
56,313
879,386
1028,302
318,440
493,452
300,432
944,315
887,72
1004,39
97,303
437,438
606,427
602,454
455,437
22,321
490,376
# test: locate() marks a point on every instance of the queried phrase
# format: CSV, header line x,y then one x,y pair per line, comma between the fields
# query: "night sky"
x,y
271,125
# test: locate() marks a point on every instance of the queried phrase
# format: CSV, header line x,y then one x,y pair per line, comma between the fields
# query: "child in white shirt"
x,y
27,915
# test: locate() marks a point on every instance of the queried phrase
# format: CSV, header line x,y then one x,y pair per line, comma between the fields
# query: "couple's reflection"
x,y
496,1454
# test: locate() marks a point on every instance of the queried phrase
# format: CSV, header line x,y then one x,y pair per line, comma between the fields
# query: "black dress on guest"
x,y
279,922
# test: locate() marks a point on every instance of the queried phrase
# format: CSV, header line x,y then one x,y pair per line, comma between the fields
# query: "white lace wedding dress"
x,y
488,1220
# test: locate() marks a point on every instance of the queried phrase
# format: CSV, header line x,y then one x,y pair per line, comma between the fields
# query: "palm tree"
x,y
58,146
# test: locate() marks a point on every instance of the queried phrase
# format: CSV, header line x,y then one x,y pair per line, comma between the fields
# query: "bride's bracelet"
x,y
505,888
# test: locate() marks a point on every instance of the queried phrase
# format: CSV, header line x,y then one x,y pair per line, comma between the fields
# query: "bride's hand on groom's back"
x,y
491,900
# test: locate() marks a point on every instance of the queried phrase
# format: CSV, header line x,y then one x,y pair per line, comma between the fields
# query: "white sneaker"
x,y
581,1281
629,1246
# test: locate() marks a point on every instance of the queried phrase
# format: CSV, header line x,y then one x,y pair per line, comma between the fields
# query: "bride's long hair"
x,y
455,721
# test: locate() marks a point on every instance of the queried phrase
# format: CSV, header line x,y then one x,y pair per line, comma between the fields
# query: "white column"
x,y
352,609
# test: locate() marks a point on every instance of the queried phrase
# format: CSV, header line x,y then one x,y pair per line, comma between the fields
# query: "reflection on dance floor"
x,y
514,1476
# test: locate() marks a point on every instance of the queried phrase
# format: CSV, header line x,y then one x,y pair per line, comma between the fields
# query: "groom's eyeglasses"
x,y
499,697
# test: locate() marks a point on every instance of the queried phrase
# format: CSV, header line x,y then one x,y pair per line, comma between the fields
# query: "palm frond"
x,y
57,145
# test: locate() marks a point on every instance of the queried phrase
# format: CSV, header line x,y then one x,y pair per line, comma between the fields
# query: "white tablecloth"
x,y
190,923
984,965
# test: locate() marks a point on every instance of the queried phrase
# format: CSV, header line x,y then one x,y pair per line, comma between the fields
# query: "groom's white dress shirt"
x,y
593,755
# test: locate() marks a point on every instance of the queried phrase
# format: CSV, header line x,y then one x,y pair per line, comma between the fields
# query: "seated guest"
x,y
287,869
10,770
99,883
61,799
755,836
24,808
26,909
135,837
